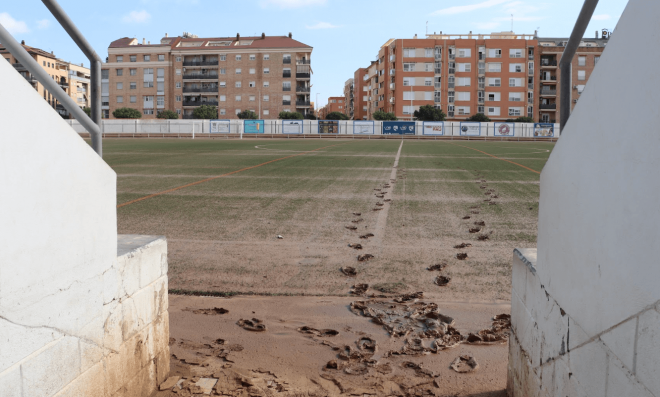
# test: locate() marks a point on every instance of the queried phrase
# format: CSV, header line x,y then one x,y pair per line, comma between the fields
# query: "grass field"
x,y
222,233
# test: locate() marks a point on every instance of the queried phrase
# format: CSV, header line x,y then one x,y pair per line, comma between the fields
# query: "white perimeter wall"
x,y
599,231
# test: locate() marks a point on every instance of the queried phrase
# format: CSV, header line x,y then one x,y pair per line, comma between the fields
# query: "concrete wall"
x,y
598,237
73,316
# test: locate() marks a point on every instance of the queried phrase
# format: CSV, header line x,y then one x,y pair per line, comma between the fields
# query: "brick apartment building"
x,y
348,98
335,104
502,75
265,74
72,78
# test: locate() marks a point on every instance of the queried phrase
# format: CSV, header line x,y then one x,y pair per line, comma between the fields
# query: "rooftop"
x,y
187,42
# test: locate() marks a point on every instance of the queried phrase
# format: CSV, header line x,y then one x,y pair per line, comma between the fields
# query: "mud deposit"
x,y
336,346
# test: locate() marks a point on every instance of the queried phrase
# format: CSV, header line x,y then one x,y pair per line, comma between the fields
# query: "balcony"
x,y
530,86
200,76
19,67
548,78
286,74
306,90
303,62
201,63
197,89
548,63
200,103
303,75
546,92
30,79
64,85
301,104
548,106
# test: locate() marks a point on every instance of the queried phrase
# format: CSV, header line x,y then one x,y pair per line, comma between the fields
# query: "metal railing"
x,y
303,75
200,76
548,106
303,103
303,89
200,103
548,92
547,62
201,63
207,89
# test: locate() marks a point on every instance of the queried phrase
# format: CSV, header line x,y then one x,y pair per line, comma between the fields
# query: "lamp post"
x,y
316,105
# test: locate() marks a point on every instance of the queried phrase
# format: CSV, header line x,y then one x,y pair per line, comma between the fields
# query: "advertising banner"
x,y
543,130
505,129
253,127
434,128
219,127
399,127
328,127
363,127
292,126
470,129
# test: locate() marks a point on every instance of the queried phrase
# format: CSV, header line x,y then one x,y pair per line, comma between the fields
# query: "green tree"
x,y
167,114
336,116
429,113
247,115
383,116
127,113
310,116
290,116
88,111
205,112
524,119
480,117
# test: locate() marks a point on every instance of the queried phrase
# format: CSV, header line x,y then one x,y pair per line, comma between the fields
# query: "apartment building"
x,y
360,95
585,60
265,74
348,98
72,78
335,104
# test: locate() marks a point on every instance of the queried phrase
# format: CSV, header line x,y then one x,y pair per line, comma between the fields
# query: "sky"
x,y
345,34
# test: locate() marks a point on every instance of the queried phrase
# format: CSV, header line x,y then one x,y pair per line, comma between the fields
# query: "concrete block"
x,y
19,342
547,379
90,355
144,384
565,382
112,285
161,333
162,362
112,329
88,384
52,369
519,273
577,336
11,384
161,303
138,312
522,322
621,341
163,264
621,382
129,275
134,355
647,367
151,257
588,364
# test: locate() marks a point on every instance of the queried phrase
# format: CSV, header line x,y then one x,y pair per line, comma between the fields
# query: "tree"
x,y
247,115
383,116
429,113
205,112
290,116
127,113
336,116
480,117
88,111
310,116
523,119
167,114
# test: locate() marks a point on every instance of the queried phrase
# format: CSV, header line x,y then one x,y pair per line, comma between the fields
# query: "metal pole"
x,y
95,65
17,50
567,58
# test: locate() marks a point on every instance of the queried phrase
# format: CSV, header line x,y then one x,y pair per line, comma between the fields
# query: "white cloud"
x,y
322,25
469,8
137,17
601,17
487,25
43,24
292,3
13,26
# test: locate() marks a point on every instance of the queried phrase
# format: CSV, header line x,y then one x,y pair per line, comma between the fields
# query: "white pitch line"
x,y
381,222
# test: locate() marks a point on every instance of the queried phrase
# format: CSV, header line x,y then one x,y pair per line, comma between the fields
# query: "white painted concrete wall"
x,y
598,235
63,291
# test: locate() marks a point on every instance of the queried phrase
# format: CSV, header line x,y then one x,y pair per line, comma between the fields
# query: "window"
x,y
252,98
120,72
133,72
266,57
253,71
450,110
252,84
238,70
596,59
178,84
238,111
515,111
463,110
120,99
223,111
238,84
239,57
253,57
120,86
515,82
582,61
160,86
286,86
451,97
516,67
178,59
147,58
237,98
133,85
428,67
408,109
580,88
133,58
480,109
178,72
408,67
106,114
452,67
495,111
223,71
428,52
582,75
223,98
451,80
266,98
408,96
160,73
464,53
133,98
286,58
494,82
223,57
495,67
178,98
266,70
266,84
266,112
428,81
149,84
494,53
148,111
286,99
160,101
515,96
161,58
120,59
515,53
428,95
408,81
105,74
464,67
408,52
463,96
464,81
482,83
223,84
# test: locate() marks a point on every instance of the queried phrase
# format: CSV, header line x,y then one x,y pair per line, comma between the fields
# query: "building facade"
x,y
265,74
335,104
72,78
348,98
360,97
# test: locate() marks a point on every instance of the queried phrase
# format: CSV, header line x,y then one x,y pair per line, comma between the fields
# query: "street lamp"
x,y
316,105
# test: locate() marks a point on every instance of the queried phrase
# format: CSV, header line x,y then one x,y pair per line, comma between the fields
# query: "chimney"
x,y
144,41
596,34
415,36
238,36
166,35
23,42
290,35
263,35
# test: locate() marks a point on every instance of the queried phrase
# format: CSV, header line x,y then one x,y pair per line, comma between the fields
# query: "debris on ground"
x,y
209,312
318,332
359,289
356,246
349,271
254,325
442,281
474,212
461,256
367,344
366,236
480,223
475,230
351,227
463,245
357,220
464,364
437,268
365,257
466,217
377,209
280,237
357,213
380,204
409,297
484,237
169,383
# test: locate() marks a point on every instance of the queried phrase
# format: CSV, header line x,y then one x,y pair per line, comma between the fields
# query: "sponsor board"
x,y
219,127
544,130
253,127
292,126
470,129
363,127
399,127
505,129
433,128
328,127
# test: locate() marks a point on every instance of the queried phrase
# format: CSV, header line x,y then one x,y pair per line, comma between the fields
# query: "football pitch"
x,y
223,203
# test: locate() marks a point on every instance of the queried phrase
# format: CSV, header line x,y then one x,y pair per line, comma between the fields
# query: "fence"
x,y
453,129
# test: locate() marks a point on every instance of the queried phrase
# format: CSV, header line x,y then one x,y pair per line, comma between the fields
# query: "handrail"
x,y
17,50
95,68
567,59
